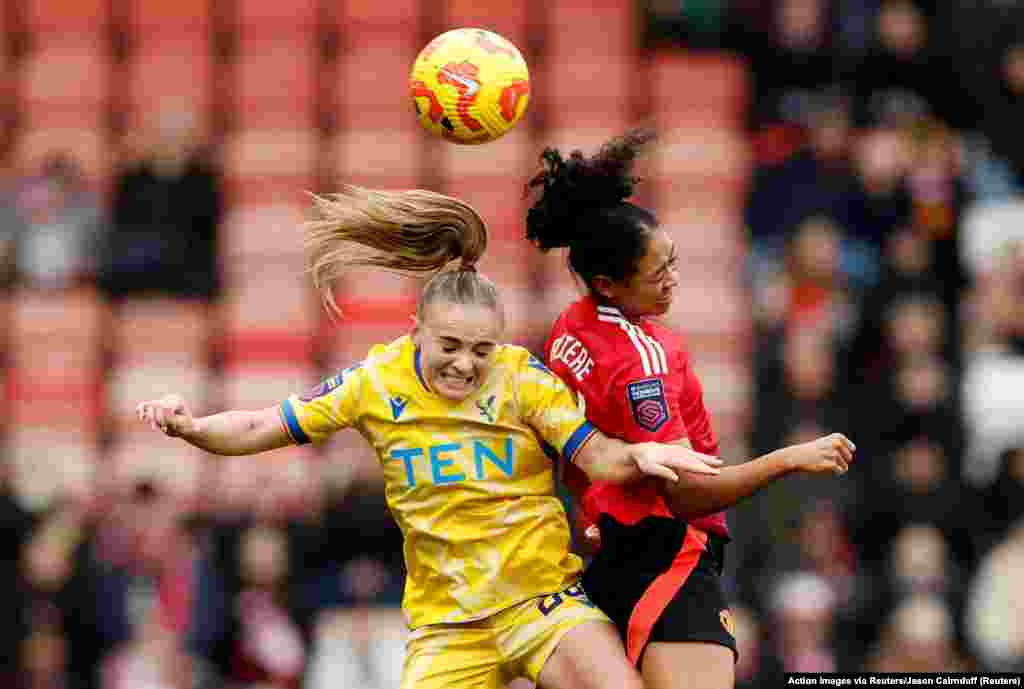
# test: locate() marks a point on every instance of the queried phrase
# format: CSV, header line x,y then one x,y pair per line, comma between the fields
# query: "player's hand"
x,y
832,453
668,461
168,414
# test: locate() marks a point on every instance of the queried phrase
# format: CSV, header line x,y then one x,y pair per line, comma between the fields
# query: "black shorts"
x,y
660,580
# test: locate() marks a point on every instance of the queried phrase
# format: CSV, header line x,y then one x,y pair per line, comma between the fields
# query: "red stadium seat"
x,y
587,83
269,303
371,297
55,344
77,133
72,317
713,87
272,18
259,385
507,19
582,26
66,17
373,88
530,312
283,153
49,462
720,247
278,75
511,157
716,152
160,347
702,306
359,15
142,454
266,190
725,381
171,71
510,263
54,393
498,199
55,64
171,17
351,339
172,329
380,152
266,230
716,204
152,378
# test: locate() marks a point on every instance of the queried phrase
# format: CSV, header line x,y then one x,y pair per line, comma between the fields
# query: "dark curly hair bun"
x,y
573,188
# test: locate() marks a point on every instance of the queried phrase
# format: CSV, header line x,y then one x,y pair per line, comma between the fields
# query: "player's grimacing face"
x,y
649,291
457,343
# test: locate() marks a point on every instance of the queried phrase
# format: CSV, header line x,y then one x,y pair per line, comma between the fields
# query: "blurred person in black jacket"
x,y
166,209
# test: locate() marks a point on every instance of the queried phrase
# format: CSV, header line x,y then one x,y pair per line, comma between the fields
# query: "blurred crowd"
x,y
886,232
242,583
885,216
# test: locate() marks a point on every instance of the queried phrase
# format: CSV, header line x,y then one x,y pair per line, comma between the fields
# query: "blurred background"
x,y
843,181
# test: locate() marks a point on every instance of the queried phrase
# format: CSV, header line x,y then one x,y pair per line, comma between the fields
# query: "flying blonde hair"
x,y
412,233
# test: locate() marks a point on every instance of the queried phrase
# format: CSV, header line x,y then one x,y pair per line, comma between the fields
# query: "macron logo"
x,y
398,406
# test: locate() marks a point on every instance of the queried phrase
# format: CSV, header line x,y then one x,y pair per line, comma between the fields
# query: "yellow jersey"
x,y
471,483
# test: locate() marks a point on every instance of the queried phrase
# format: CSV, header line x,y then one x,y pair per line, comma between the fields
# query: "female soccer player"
x,y
656,573
463,426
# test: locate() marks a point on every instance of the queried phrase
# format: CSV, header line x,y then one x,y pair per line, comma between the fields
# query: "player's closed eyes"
x,y
672,264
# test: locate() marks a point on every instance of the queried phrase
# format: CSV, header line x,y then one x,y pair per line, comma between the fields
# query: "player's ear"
x,y
603,285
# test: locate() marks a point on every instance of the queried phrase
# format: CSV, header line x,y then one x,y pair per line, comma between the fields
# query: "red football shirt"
x,y
636,379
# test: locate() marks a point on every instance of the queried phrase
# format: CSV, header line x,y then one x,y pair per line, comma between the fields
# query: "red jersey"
x,y
636,379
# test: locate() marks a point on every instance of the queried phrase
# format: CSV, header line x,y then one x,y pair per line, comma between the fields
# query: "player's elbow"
x,y
692,496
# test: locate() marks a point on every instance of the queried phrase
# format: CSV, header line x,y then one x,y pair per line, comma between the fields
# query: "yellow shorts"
x,y
488,653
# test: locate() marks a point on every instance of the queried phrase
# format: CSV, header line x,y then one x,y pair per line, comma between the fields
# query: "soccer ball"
x,y
469,86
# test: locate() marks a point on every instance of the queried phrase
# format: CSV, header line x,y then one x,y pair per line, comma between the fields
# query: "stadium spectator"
x,y
755,666
801,608
1004,499
791,61
15,528
995,627
270,645
898,80
919,636
64,229
1002,116
166,210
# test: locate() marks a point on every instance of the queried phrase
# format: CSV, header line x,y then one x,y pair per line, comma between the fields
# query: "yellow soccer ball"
x,y
469,86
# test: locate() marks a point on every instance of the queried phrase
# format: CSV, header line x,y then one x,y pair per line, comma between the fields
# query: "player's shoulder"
x,y
381,359
634,345
515,358
580,320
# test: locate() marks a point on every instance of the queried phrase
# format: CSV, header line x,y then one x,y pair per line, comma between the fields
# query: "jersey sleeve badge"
x,y
647,400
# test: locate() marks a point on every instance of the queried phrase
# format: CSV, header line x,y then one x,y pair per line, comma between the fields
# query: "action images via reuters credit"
x,y
966,679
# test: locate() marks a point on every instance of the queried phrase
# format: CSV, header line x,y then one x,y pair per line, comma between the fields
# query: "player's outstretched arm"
x,y
227,433
608,459
694,495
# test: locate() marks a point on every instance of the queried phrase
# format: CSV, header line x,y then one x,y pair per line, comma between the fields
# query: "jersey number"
x,y
548,604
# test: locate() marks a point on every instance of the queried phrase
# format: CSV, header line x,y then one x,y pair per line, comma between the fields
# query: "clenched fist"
x,y
832,453
169,414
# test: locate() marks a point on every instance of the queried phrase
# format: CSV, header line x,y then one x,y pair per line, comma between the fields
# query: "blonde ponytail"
x,y
412,232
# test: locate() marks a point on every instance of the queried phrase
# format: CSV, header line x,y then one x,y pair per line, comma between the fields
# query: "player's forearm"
x,y
607,459
237,433
698,495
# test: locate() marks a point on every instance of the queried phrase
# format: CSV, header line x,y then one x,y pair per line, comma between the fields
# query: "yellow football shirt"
x,y
471,484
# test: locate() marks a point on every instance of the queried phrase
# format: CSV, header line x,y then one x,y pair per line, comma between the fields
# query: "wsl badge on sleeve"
x,y
647,400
